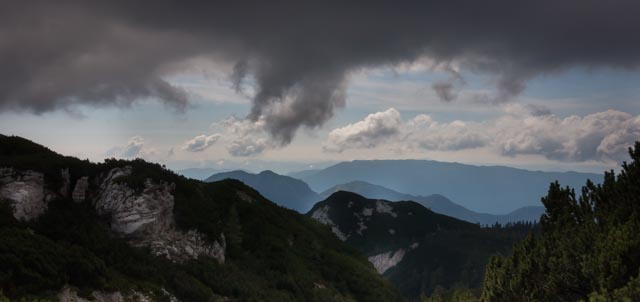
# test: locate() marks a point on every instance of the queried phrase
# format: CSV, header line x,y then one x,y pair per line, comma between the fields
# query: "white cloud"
x,y
134,148
599,136
420,132
521,130
200,142
247,146
246,137
423,132
368,133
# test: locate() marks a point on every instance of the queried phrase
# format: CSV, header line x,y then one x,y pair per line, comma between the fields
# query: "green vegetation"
x,y
456,294
454,259
588,248
273,254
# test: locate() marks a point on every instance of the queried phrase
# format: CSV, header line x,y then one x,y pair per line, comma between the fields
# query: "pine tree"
x,y
588,248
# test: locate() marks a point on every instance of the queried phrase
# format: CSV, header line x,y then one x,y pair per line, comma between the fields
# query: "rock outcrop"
x,y
146,219
179,247
79,193
244,197
66,182
68,294
384,207
383,262
322,215
141,214
25,191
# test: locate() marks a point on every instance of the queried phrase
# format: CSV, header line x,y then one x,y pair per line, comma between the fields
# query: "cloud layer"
x,y
600,136
521,130
200,142
57,54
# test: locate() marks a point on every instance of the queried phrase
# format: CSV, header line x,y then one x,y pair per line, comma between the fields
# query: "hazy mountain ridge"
x,y
304,173
283,190
198,173
296,194
438,203
490,189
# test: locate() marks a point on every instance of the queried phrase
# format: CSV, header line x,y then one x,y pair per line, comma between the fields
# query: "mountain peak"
x,y
286,191
401,237
340,194
271,173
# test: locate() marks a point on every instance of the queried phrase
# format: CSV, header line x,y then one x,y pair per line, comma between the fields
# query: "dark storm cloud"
x,y
444,90
238,76
55,54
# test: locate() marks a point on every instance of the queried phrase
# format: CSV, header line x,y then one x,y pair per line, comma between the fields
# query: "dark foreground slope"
x,y
138,229
284,190
417,249
439,204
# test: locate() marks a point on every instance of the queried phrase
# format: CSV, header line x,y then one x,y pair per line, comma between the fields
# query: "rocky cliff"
x,y
25,191
135,213
145,218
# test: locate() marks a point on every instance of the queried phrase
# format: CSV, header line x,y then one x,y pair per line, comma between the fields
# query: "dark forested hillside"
x,y
588,249
417,249
239,246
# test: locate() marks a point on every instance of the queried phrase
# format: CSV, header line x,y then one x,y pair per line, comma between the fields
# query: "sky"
x,y
293,86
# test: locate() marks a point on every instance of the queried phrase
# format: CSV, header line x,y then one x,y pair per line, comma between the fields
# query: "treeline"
x,y
585,248
461,257
588,248
517,225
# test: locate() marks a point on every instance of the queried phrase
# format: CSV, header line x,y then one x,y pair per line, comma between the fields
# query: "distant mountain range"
x,y
283,190
437,203
198,173
488,189
304,173
296,194
412,246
